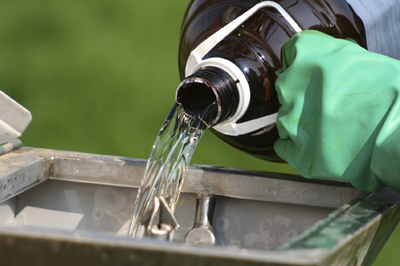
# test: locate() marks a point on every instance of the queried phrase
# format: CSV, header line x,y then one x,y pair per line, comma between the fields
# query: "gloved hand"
x,y
340,113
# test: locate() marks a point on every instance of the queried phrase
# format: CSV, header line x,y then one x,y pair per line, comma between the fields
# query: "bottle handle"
x,y
195,62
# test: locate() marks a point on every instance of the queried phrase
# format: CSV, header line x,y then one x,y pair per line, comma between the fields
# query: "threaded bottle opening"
x,y
209,87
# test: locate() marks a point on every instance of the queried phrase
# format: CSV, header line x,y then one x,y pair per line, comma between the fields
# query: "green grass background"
x,y
100,77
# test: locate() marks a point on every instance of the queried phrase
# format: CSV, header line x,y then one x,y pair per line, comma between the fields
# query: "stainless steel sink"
x,y
69,208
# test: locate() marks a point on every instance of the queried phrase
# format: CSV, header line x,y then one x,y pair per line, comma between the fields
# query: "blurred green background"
x,y
100,77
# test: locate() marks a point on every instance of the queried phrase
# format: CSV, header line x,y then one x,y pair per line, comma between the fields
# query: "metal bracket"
x,y
159,222
162,221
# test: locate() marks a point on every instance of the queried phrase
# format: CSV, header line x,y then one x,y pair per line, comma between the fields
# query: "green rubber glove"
x,y
340,113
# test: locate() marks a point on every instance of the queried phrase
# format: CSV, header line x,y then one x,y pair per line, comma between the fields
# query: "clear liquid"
x,y
169,159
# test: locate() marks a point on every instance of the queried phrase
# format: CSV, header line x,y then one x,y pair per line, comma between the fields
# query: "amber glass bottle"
x,y
253,47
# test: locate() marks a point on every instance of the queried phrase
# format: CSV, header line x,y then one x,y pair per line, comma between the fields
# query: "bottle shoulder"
x,y
267,28
204,17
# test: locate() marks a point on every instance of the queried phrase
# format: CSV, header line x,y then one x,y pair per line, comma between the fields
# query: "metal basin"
x,y
68,208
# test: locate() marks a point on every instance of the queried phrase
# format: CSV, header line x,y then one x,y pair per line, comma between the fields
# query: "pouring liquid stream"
x,y
168,161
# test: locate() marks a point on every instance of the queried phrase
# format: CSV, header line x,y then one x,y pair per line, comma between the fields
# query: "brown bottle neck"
x,y
209,87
